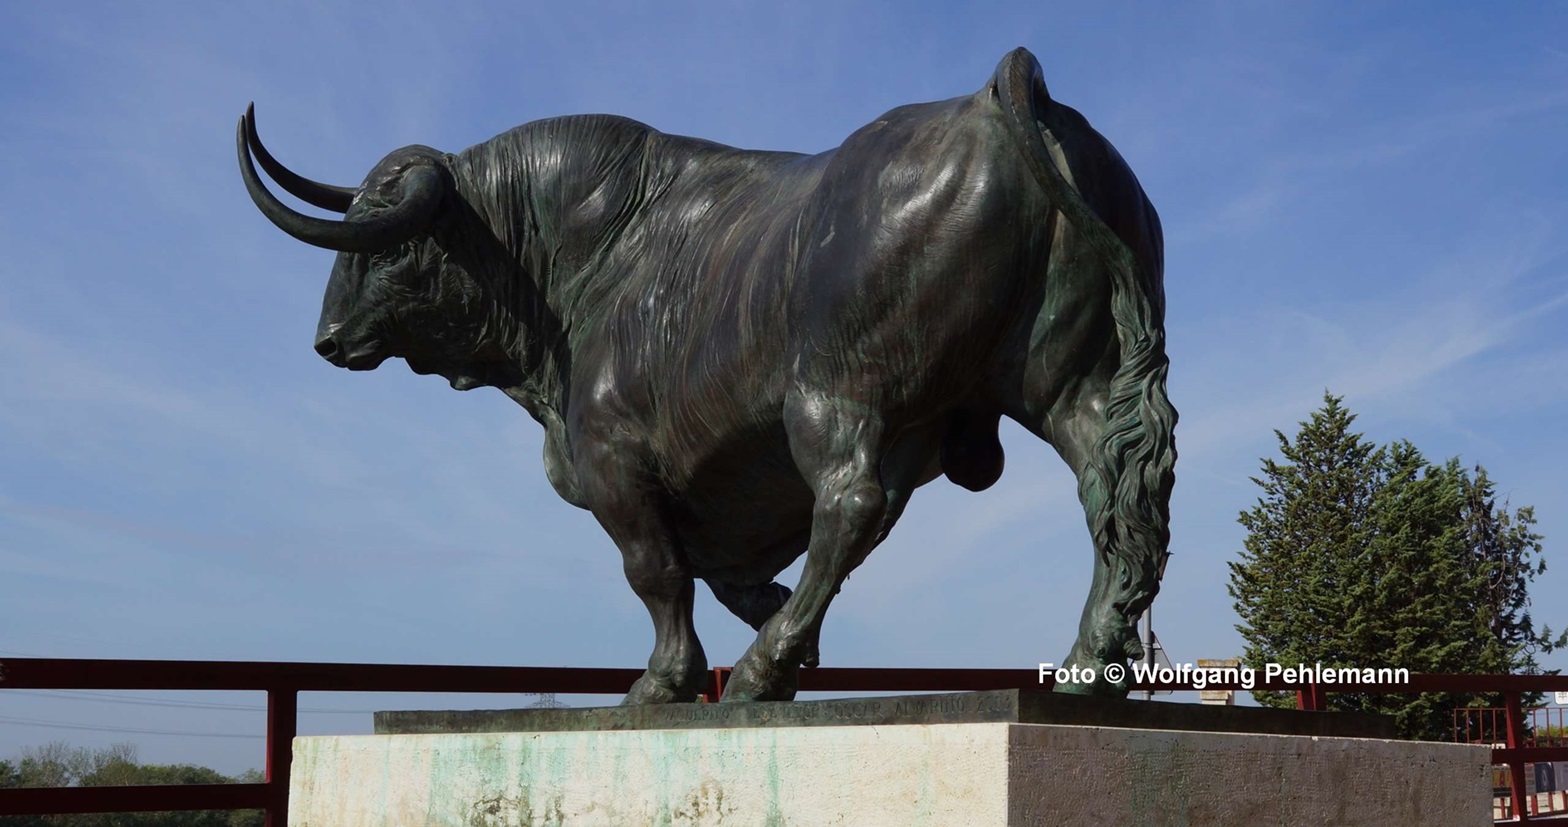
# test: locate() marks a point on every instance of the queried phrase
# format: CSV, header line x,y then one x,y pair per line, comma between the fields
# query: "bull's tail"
x,y
1126,485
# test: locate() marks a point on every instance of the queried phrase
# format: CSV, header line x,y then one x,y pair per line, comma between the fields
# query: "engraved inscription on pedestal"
x,y
1000,706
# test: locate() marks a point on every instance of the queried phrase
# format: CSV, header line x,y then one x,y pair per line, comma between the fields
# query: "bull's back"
x,y
889,266
930,241
899,274
893,262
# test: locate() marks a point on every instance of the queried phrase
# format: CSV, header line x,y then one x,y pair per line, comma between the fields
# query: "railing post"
x,y
716,681
1513,718
282,721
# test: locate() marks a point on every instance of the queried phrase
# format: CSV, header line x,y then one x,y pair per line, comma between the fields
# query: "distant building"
x,y
1218,697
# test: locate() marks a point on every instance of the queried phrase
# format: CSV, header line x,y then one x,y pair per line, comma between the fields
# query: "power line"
x,y
547,700
140,700
35,722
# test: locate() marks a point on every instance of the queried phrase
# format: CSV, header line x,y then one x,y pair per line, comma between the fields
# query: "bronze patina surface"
x,y
740,357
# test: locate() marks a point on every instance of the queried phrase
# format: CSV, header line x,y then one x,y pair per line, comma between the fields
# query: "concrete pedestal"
x,y
966,775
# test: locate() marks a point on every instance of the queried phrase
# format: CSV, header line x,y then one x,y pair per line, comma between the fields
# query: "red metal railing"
x,y
284,681
1544,727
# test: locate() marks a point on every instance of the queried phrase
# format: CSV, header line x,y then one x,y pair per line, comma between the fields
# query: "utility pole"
x,y
1150,642
1148,647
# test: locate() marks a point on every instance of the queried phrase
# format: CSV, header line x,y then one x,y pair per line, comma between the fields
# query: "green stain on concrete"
x,y
775,813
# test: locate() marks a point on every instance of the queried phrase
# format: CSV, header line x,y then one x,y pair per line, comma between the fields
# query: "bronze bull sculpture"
x,y
739,357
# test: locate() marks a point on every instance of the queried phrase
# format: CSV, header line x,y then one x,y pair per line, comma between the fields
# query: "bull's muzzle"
x,y
366,354
329,349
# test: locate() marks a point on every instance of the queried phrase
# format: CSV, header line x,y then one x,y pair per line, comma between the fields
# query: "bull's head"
x,y
393,290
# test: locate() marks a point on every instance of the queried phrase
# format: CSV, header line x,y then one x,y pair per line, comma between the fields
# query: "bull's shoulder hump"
x,y
569,130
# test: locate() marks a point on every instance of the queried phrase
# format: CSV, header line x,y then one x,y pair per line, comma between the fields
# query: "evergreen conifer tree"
x,y
1365,556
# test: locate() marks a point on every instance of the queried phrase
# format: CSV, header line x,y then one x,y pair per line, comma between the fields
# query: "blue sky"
x,y
1355,198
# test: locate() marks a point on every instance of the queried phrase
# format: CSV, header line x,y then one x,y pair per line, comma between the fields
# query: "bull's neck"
x,y
493,242
548,198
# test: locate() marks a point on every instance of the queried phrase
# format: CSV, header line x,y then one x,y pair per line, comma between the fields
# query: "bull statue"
x,y
739,357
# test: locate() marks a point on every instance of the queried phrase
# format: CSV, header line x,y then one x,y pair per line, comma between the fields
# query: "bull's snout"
x,y
327,346
348,351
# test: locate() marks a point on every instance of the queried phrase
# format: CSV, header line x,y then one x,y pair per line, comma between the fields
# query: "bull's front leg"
x,y
838,449
629,504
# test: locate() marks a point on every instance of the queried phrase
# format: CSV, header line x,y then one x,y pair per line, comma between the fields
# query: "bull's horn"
x,y
421,194
311,192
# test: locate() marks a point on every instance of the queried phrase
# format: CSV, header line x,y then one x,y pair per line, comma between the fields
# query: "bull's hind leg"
x,y
632,510
838,447
1127,548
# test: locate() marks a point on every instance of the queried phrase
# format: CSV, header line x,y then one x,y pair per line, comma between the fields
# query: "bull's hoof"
x,y
1100,675
651,690
1097,663
1100,687
756,680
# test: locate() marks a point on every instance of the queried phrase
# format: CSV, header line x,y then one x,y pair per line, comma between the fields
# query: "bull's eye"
x,y
390,258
